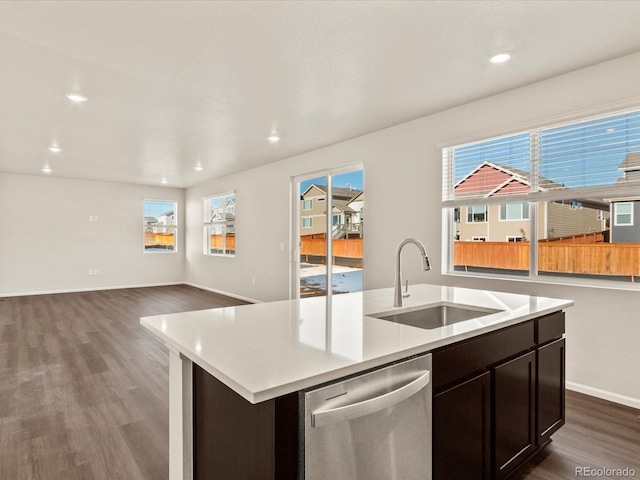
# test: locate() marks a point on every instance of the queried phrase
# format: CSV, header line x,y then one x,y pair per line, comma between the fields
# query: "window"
x,y
321,199
307,222
307,204
477,214
514,211
623,213
549,187
456,215
479,239
160,226
335,219
219,224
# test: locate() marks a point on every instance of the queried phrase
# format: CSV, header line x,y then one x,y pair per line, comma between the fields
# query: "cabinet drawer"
x,y
473,356
549,327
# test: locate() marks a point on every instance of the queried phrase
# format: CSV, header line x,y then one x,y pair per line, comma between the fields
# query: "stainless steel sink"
x,y
435,316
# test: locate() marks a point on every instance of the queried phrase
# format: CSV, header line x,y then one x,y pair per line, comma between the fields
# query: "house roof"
x,y
630,162
491,179
338,192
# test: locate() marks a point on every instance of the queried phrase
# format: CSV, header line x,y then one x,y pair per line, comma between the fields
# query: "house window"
x,y
321,199
307,204
456,215
623,213
514,211
477,214
335,219
559,183
160,226
478,239
219,224
307,222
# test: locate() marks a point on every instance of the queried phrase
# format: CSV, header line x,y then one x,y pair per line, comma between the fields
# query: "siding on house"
x,y
627,233
317,212
563,220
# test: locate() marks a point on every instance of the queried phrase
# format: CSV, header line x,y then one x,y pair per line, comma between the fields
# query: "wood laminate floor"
x,y
84,387
84,393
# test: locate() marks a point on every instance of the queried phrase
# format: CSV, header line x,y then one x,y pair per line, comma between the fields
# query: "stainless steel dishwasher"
x,y
375,426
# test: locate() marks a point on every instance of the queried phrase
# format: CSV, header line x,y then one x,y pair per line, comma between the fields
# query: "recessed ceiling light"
x,y
500,57
76,97
273,138
55,149
198,168
47,170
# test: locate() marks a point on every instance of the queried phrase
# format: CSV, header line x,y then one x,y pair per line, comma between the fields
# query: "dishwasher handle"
x,y
320,418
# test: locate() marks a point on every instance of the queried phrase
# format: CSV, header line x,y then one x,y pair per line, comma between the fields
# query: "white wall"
x,y
404,162
47,243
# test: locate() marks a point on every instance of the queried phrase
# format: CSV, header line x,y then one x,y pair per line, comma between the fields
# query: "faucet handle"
x,y
406,293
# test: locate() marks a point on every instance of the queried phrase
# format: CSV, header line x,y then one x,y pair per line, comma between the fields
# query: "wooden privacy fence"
x,y
593,237
349,248
158,240
507,255
620,259
216,241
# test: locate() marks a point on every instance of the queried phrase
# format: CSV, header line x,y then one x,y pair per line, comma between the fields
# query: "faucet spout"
x,y
398,295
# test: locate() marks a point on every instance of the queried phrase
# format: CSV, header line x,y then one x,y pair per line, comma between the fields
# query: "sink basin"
x,y
435,316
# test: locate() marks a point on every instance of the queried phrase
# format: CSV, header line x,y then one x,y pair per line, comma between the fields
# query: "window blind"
x,y
598,157
477,169
601,152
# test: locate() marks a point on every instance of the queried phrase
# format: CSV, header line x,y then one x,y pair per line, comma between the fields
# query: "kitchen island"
x,y
264,354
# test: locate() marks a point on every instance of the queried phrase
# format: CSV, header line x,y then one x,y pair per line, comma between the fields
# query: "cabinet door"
x,y
461,438
514,413
551,361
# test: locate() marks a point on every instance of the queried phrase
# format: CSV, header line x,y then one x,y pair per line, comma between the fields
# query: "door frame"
x,y
294,223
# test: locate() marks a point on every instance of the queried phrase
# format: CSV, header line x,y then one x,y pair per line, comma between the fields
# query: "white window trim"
x,y
310,222
449,226
174,227
478,238
514,238
206,248
310,200
615,214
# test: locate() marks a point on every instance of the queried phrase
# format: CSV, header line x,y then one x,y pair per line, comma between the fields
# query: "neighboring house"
x,y
509,222
625,212
313,210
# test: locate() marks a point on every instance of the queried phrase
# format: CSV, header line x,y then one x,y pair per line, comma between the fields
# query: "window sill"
x,y
553,280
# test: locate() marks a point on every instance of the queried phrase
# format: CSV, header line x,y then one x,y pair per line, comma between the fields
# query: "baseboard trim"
x,y
90,289
221,292
603,394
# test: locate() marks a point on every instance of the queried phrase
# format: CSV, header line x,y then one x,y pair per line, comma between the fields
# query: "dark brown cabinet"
x,y
551,361
463,414
497,399
514,413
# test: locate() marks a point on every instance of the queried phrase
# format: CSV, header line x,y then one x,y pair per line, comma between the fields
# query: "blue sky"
x,y
353,179
578,155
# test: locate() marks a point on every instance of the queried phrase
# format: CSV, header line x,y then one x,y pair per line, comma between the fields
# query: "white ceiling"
x,y
171,84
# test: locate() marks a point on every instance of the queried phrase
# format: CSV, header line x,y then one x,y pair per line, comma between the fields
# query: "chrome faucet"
x,y
398,294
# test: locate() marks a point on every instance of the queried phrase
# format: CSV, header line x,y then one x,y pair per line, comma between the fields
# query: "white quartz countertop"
x,y
265,350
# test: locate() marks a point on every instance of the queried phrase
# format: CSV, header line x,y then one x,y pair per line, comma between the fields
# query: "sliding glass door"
x,y
328,226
